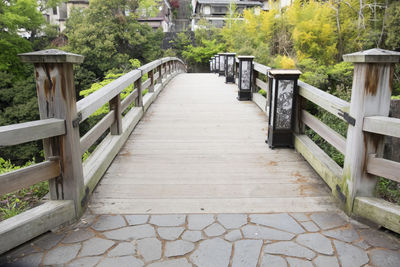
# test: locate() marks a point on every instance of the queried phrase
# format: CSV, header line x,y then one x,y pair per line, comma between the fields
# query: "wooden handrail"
x,y
382,125
28,176
330,103
383,167
30,131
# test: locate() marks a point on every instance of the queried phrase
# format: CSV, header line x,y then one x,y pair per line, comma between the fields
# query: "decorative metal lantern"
x,y
216,64
221,64
245,77
211,66
282,100
230,67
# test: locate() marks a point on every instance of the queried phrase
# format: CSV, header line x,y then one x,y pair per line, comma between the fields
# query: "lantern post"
x,y
245,77
283,90
230,67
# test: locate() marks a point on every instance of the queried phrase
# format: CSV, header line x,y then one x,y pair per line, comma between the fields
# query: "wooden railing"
x,y
368,121
71,181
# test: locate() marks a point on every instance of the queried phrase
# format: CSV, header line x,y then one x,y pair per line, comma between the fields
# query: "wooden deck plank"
x,y
198,149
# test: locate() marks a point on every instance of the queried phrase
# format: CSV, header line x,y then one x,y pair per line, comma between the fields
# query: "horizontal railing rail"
x,y
62,144
367,120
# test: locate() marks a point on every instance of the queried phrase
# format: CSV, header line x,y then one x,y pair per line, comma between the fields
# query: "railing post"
x,y
371,92
115,105
151,77
139,99
56,97
159,70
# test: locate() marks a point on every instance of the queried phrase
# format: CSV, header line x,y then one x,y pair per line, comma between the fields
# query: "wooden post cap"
x,y
375,55
51,56
245,57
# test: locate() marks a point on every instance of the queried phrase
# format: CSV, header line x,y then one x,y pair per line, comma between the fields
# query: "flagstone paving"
x,y
207,240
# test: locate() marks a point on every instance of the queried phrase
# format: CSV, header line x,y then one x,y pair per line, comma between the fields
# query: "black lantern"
x,y
221,64
216,64
245,77
230,67
282,99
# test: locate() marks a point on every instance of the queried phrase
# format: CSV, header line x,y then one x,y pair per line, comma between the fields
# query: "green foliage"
x,y
108,38
203,53
389,190
14,203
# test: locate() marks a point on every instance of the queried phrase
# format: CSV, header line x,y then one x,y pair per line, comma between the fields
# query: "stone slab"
x,y
272,260
178,248
199,221
346,235
214,229
137,219
385,258
61,255
168,220
109,222
192,236
172,263
326,261
123,249
170,233
281,221
233,235
328,220
349,255
125,261
131,232
246,253
260,232
78,236
289,248
299,262
149,248
214,252
85,262
316,242
95,246
232,221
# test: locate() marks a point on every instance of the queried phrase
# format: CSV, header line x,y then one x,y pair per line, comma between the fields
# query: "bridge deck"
x,y
199,150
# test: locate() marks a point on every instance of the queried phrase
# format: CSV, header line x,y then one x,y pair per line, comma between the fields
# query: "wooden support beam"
x,y
30,131
383,167
115,105
262,85
370,96
332,137
55,87
382,125
25,177
330,103
93,134
129,99
378,211
31,223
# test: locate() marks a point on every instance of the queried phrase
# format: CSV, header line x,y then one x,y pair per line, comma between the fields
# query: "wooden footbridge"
x,y
189,146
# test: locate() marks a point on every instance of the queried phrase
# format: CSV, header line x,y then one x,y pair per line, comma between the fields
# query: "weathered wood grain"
x,y
198,144
28,176
379,211
319,160
382,125
30,131
93,134
262,85
129,99
326,101
331,136
31,223
261,68
383,167
115,105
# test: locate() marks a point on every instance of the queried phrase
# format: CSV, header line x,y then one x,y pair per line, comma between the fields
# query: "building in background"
x,y
162,20
215,11
59,15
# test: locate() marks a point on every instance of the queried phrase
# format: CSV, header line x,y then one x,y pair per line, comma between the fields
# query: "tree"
x,y
108,36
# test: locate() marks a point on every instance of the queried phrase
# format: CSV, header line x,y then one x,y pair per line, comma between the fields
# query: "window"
x,y
219,10
54,10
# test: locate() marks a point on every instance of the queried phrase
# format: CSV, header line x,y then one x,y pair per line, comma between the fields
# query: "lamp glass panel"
x,y
272,108
217,62
284,104
231,61
246,73
222,63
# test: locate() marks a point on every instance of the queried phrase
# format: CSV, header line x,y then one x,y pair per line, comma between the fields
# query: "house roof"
x,y
227,2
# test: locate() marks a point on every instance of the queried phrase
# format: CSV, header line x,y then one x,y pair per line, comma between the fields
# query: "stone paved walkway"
x,y
278,239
